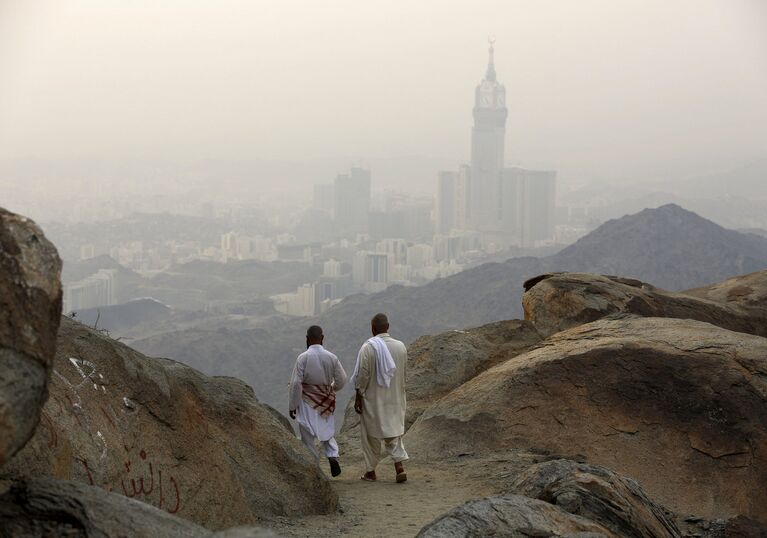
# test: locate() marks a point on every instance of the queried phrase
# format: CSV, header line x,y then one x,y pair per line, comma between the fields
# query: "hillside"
x,y
199,284
669,246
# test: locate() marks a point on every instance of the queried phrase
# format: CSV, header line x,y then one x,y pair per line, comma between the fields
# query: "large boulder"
x,y
598,494
443,362
513,516
200,447
50,507
747,290
678,405
554,302
30,309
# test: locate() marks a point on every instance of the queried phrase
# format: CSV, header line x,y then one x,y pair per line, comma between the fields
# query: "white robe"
x,y
316,366
383,408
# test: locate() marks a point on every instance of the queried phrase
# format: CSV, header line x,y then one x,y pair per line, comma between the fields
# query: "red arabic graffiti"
x,y
144,486
136,484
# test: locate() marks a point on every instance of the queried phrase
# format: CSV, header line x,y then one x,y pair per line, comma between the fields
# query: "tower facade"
x,y
487,147
351,208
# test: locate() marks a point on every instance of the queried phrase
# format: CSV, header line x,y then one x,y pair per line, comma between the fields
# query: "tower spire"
x,y
490,73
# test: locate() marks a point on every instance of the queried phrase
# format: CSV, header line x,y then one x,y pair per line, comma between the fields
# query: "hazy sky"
x,y
600,87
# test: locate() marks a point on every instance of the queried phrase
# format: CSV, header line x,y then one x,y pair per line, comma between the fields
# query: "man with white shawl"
x,y
317,376
379,379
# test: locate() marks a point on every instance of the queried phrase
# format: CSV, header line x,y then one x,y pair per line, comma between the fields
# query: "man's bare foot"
x,y
370,476
401,474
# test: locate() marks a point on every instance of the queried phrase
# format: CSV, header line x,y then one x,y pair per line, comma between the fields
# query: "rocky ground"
x,y
433,489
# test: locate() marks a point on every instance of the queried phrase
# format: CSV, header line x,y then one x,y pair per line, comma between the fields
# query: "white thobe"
x,y
383,408
316,366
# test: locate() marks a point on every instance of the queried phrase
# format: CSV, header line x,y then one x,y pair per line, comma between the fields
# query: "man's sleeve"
x,y
296,389
363,375
339,375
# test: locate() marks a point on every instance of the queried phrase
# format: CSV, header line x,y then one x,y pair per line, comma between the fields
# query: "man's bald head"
x,y
379,324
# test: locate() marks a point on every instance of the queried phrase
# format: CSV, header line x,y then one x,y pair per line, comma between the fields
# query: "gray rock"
x,y
557,301
598,494
199,447
679,405
513,516
30,308
747,290
246,532
48,507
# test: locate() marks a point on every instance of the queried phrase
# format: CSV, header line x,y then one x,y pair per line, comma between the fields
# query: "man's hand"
x,y
358,403
292,414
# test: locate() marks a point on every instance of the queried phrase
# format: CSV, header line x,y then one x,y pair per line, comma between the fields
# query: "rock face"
x,y
747,290
48,507
30,308
163,433
678,405
598,494
514,516
441,363
557,301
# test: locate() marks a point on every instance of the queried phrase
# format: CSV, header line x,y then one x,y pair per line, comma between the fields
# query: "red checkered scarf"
x,y
320,397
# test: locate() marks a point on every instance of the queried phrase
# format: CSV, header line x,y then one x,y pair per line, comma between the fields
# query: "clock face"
x,y
485,100
501,99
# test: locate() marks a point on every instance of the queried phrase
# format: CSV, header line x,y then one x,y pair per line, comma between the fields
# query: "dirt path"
x,y
387,508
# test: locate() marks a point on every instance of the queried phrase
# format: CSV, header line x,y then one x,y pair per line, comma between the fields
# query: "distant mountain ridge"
x,y
669,247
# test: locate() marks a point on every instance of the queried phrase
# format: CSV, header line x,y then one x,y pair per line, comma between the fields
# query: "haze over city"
x,y
597,89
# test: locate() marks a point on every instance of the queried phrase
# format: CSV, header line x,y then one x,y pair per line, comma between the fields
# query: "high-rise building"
x,y
99,289
324,197
538,200
462,198
394,247
527,202
419,256
229,246
87,251
352,202
487,149
371,270
446,188
331,268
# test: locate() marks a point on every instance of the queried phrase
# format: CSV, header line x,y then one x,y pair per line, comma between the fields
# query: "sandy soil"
x,y
387,508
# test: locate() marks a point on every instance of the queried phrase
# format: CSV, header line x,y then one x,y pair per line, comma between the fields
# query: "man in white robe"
x,y
379,380
316,378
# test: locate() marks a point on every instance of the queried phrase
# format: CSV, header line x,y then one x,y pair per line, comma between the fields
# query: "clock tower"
x,y
487,146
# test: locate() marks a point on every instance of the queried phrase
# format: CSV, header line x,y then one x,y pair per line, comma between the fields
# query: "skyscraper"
x,y
453,197
527,204
352,202
507,206
487,149
446,190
